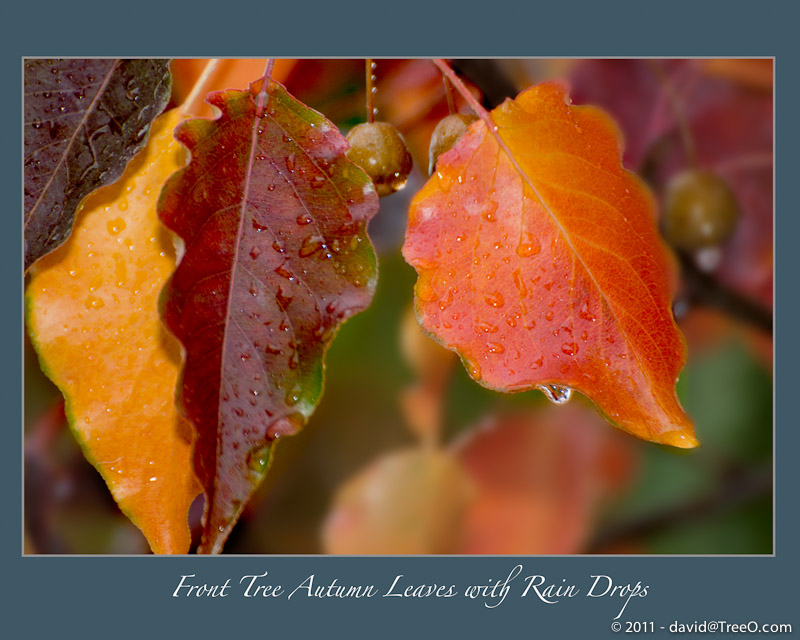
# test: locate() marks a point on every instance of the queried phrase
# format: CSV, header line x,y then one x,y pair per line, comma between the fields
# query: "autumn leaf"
x,y
273,216
407,502
84,120
92,313
539,478
540,263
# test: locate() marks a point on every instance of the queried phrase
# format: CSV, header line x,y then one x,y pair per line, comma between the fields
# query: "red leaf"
x,y
539,477
539,261
273,216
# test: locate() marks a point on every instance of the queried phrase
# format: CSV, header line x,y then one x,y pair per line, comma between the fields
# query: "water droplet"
x,y
311,244
132,90
489,212
292,396
317,182
584,313
494,299
570,348
548,316
282,299
528,245
115,226
93,302
258,458
555,393
523,290
255,252
259,227
495,347
487,327
284,273
304,219
290,162
473,368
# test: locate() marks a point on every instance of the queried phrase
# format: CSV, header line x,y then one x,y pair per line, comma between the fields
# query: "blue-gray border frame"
x,y
131,597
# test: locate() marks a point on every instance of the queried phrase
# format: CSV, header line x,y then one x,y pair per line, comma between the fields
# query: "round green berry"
x,y
379,149
700,210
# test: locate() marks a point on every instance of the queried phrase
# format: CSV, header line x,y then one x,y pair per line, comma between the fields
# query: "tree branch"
x,y
739,488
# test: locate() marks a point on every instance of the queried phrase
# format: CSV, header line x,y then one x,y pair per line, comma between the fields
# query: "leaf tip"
x,y
680,438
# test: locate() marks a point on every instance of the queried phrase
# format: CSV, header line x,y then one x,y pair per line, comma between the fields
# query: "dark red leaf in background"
x,y
732,128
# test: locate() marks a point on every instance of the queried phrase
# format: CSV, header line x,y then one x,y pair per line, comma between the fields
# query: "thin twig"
x,y
677,111
482,113
370,68
706,290
737,490
448,92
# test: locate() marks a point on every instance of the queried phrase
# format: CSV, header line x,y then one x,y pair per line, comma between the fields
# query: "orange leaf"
x,y
92,314
540,262
539,477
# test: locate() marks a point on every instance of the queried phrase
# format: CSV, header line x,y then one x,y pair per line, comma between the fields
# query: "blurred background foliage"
x,y
406,454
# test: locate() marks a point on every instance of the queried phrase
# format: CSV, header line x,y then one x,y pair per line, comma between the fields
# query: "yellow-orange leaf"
x,y
540,262
407,502
92,314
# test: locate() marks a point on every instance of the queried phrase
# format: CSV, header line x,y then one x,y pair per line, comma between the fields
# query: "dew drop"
x,y
259,227
496,347
290,162
284,273
304,219
292,396
528,245
311,244
570,348
487,327
255,252
282,299
115,226
489,212
494,299
473,368
555,393
584,313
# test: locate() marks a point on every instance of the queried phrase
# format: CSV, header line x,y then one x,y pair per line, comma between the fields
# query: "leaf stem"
x,y
268,69
450,75
370,69
187,108
263,95
448,92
